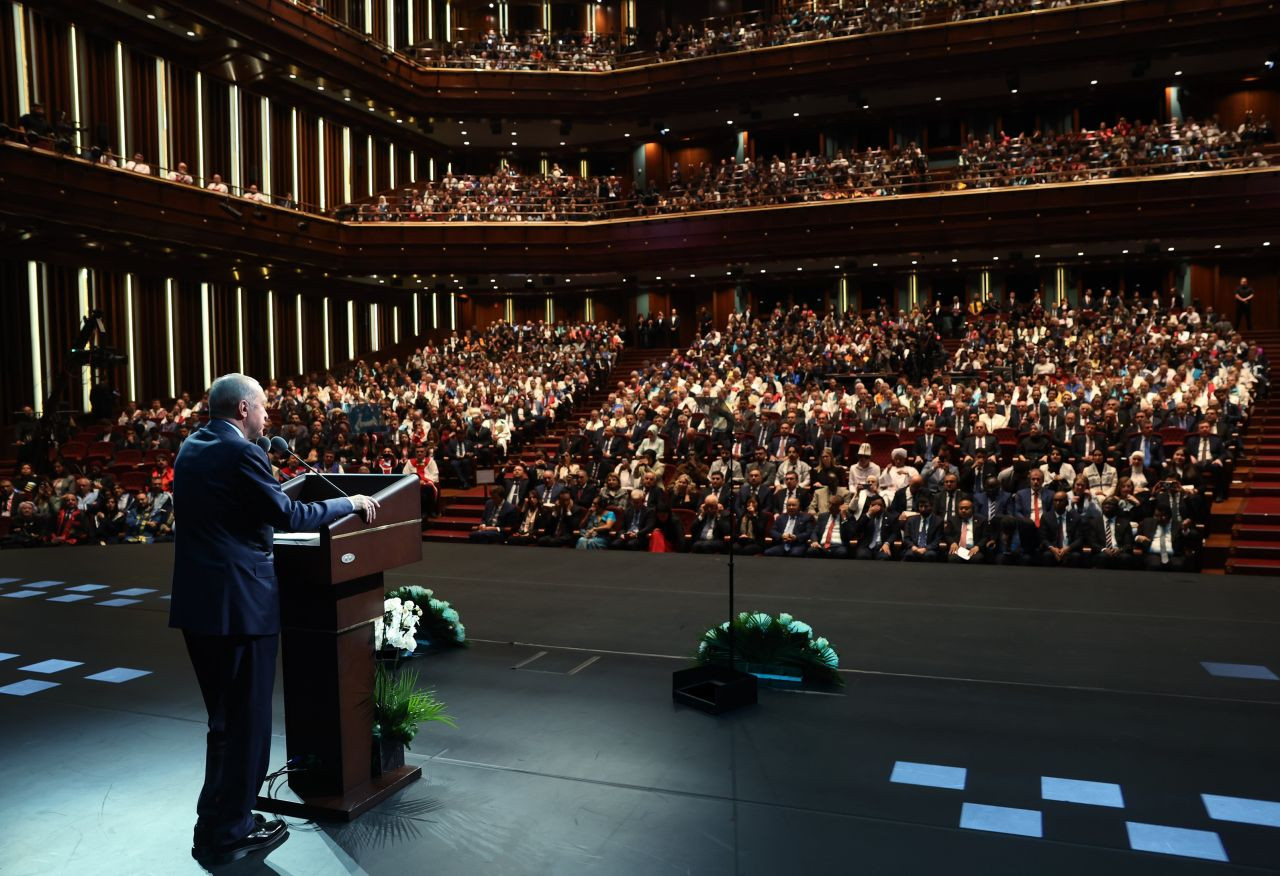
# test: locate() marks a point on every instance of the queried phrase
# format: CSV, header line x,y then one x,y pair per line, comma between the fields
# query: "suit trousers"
x,y
236,676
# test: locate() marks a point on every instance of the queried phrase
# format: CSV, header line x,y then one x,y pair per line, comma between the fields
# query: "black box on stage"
x,y
713,689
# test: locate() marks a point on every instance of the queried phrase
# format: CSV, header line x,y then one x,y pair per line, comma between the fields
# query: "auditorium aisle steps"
x,y
1255,530
462,509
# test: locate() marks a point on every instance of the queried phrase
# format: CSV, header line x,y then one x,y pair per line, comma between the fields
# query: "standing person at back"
x,y
227,604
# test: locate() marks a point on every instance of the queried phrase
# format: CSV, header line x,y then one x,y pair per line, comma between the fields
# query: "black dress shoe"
x,y
265,835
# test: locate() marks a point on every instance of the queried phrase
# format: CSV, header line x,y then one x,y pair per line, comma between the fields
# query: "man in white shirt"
x,y
138,164
252,194
180,175
217,185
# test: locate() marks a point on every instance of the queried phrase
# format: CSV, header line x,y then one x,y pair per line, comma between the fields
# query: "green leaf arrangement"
x,y
399,707
782,642
440,624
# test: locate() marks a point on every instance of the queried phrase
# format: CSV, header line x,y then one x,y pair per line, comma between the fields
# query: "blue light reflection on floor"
x,y
1080,791
27,686
1242,810
930,775
69,597
1180,841
1239,670
117,603
118,675
50,666
1001,819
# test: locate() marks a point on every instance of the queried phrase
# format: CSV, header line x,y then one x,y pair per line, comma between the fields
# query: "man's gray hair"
x,y
228,391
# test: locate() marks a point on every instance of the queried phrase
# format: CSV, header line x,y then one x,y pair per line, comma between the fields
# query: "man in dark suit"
x,y
227,604
790,489
876,531
1115,549
1149,444
1066,535
459,452
562,523
756,488
1209,455
499,515
1160,546
1033,501
927,444
969,534
791,531
834,532
921,534
710,529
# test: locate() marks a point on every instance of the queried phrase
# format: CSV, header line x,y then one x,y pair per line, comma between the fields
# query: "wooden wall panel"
x,y
183,130
9,110
48,66
142,123
251,140
217,130
98,94
281,150
308,147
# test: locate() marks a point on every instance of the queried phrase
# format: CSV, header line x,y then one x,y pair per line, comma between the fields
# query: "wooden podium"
x,y
331,592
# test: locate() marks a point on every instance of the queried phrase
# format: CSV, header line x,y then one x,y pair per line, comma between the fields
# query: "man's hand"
x,y
366,507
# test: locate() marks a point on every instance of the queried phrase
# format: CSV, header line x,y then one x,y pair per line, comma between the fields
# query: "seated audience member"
x,y
898,475
561,526
1033,501
749,537
1143,478
138,164
788,490
1067,535
1208,455
1115,551
498,515
1016,542
423,465
530,522
27,528
946,502
921,534
834,532
1058,473
181,175
548,492
968,539
722,491
663,532
876,531
67,527
1159,545
928,445
597,525
710,530
936,470
863,471
791,530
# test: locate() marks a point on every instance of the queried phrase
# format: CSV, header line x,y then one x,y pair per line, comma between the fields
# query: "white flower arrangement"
x,y
440,623
397,626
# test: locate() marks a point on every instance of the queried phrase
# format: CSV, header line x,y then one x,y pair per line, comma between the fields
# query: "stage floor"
x,y
993,721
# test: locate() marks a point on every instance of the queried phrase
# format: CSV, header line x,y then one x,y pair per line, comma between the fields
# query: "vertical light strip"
x,y
351,329
374,340
431,20
264,185
169,330
546,15
391,164
417,324
508,309
582,168
346,165
550,310
297,309
913,289
237,181
293,154
431,169
395,324
24,97
391,22
369,162
271,334
409,23
162,113
33,305
74,52
45,321
844,294
453,311
200,173
448,19
1061,282
588,313
130,343
435,310
206,333
324,315
320,161
413,165
86,373
122,145
543,167
368,16
240,329
984,288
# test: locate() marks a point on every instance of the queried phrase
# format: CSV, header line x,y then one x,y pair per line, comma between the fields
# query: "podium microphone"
x,y
279,445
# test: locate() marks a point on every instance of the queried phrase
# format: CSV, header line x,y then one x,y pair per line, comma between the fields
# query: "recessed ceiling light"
x,y
866,106
1266,243
466,142
953,261
370,109
1217,246
1037,255
914,262
293,75
626,135
1093,81
1122,252
566,279
319,88
561,142
728,273
762,270
729,121
691,276
191,33
875,264
657,278
1170,249
463,133
795,115
1177,72
1013,91
514,143
835,267
347,98
1081,253
151,17
799,269
399,121
938,98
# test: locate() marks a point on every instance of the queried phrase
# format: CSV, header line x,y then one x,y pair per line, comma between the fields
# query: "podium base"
x,y
348,806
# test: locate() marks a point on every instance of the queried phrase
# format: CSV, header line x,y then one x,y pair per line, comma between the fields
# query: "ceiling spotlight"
x,y
370,109
561,142
938,98
835,267
875,264
1013,91
1177,72
627,135
1122,252
657,278
293,75
728,121
466,142
1093,81
191,33
914,262
691,276
866,106
514,143
995,258
1081,253
1266,243
319,88
795,115
1037,255
663,131
463,133
799,269
762,270
953,261
347,98
399,121
1170,249
150,17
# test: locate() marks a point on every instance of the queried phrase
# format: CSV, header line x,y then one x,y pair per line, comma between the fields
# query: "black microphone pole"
x,y
279,445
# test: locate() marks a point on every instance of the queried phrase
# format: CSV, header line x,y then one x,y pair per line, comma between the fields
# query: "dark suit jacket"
x,y
224,576
1216,449
1080,530
867,524
847,525
982,535
1022,503
779,500
499,513
1123,534
802,530
932,526
762,493
926,442
1156,449
721,529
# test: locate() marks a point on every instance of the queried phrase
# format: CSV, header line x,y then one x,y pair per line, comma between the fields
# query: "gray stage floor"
x,y
970,694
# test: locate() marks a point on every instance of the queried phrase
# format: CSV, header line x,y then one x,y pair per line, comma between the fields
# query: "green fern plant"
x,y
399,707
783,642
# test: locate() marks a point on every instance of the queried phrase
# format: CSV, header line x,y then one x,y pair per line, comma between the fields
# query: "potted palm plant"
x,y
398,708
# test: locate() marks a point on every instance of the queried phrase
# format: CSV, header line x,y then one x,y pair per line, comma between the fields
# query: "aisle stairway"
x,y
462,509
1255,529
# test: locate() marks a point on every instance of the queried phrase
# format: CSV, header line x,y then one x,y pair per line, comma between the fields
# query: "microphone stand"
x,y
283,447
